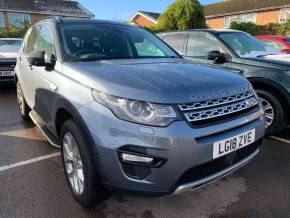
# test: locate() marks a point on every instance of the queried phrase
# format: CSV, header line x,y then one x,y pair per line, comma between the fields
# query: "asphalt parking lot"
x,y
32,182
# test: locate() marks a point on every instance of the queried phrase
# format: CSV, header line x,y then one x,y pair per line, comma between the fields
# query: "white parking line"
x,y
26,162
280,139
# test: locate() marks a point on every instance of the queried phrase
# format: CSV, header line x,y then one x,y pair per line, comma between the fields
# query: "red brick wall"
x,y
262,18
143,21
265,17
216,23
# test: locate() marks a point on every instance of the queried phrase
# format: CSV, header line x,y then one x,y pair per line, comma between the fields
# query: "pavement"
x,y
32,182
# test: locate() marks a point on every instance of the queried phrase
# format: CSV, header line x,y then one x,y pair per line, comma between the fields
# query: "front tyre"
x,y
22,105
80,171
275,115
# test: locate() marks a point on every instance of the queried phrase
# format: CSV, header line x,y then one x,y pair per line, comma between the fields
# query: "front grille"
x,y
6,78
215,166
208,112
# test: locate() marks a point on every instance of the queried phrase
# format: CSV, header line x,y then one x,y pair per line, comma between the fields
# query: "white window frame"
x,y
281,16
2,24
21,17
238,18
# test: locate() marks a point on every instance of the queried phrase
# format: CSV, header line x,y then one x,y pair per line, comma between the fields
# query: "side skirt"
x,y
37,120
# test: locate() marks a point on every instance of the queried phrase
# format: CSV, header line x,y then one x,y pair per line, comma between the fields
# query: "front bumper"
x,y
181,146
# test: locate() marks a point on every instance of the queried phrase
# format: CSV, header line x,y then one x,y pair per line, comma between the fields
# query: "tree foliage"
x,y
182,15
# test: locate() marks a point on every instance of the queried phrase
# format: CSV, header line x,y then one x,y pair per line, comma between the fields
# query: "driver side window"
x,y
45,43
199,45
41,39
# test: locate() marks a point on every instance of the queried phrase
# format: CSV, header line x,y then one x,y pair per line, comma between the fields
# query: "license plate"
x,y
232,144
6,73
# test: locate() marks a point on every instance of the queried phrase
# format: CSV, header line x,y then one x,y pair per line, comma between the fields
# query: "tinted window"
x,y
199,45
89,42
176,41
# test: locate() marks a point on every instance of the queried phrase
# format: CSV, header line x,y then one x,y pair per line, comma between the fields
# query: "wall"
x,y
143,21
266,17
262,18
216,23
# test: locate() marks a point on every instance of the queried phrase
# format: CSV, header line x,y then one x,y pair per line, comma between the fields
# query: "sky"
x,y
121,10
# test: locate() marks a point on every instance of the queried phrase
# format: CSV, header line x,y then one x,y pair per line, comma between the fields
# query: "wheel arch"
x,y
66,110
273,87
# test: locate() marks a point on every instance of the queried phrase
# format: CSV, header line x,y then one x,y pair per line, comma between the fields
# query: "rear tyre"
x,y
80,170
275,115
22,105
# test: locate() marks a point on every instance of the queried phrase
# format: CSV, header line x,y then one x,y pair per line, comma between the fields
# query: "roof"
x,y
237,6
213,31
71,20
48,7
149,15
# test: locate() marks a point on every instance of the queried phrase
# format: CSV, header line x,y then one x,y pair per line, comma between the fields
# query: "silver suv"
x,y
129,113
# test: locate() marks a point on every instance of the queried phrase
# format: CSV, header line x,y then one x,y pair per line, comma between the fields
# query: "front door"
x,y
198,47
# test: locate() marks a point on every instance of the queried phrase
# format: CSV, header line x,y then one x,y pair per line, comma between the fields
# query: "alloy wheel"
x,y
269,112
73,163
20,99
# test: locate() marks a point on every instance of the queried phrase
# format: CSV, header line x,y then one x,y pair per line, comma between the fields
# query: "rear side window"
x,y
176,41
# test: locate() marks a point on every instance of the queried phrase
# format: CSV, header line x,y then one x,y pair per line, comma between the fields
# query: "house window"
x,y
241,18
2,23
284,15
17,19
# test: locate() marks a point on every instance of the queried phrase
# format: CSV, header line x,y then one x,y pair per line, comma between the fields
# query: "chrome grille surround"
x,y
208,110
215,102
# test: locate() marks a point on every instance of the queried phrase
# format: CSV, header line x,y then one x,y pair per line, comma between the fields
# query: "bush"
x,y
13,32
268,29
182,15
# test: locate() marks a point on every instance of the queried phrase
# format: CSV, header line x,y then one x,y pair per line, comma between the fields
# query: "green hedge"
x,y
269,29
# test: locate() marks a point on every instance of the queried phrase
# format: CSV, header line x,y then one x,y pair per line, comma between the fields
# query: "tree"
x,y
182,15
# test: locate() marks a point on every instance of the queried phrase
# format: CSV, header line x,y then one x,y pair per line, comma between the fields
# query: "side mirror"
x,y
216,56
37,58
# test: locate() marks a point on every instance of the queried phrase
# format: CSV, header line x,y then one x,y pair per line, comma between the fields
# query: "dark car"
x,y
279,42
8,53
267,69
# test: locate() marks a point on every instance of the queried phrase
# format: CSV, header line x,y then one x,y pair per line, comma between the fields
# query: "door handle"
x,y
19,58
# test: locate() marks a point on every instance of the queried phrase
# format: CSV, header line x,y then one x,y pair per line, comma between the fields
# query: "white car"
x,y
8,53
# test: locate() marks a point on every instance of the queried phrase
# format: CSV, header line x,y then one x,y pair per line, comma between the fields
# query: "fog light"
x,y
136,158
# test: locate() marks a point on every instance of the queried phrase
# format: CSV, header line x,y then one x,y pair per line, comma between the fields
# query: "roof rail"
x,y
57,18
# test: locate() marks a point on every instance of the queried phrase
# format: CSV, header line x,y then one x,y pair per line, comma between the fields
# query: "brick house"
x,y
15,12
220,15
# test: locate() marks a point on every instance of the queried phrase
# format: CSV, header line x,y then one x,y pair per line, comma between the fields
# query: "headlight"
x,y
137,111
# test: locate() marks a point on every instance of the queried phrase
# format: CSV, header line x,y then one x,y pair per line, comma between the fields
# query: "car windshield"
x,y
91,42
247,46
9,45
